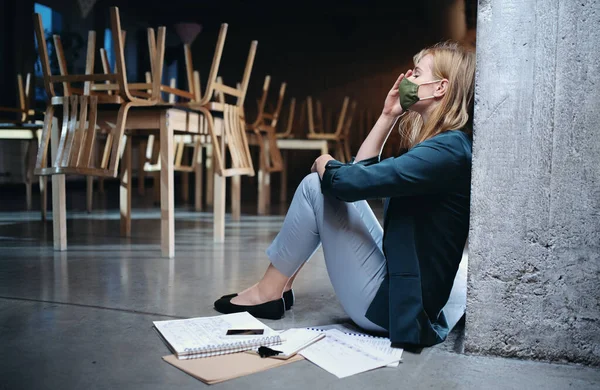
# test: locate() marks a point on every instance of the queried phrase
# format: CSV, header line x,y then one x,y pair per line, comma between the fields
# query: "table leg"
x,y
236,197
219,208
43,180
324,148
198,180
167,197
283,184
263,180
141,189
59,207
29,166
261,190
210,175
125,190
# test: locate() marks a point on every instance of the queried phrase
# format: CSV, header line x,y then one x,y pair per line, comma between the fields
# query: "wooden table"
x,y
166,121
297,144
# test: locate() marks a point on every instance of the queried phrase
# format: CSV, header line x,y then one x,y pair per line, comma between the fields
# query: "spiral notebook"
x,y
381,344
206,336
344,355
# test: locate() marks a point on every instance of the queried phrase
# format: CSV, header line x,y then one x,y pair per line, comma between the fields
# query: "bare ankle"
x,y
268,293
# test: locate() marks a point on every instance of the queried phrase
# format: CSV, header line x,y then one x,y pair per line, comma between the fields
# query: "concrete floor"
x,y
83,318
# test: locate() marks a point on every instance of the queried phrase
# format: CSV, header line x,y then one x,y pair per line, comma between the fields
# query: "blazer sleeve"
x,y
430,167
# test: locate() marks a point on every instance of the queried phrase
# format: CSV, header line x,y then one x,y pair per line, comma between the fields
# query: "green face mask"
x,y
409,92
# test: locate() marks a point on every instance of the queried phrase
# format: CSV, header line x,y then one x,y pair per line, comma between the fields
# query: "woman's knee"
x,y
310,187
311,182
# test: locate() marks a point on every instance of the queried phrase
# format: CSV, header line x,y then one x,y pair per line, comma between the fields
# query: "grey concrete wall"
x,y
534,261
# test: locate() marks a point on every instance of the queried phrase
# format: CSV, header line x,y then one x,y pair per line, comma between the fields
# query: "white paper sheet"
x,y
382,344
337,355
378,344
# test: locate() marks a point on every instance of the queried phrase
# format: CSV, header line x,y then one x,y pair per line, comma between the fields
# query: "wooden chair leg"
x,y
99,159
210,175
339,152
264,185
59,207
347,151
125,191
141,189
30,158
167,196
43,181
261,191
236,198
219,208
198,181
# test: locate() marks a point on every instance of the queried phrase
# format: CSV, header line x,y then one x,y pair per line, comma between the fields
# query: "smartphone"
x,y
243,332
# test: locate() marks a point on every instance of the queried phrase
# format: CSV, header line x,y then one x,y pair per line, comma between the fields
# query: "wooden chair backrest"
x,y
213,85
349,119
24,95
290,120
193,76
116,80
271,117
80,106
231,134
157,54
79,112
22,113
313,125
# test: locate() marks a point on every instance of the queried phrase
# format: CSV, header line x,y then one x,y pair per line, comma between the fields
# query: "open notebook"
x,y
344,355
206,336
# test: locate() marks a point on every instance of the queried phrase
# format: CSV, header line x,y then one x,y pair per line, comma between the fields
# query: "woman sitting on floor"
x,y
394,279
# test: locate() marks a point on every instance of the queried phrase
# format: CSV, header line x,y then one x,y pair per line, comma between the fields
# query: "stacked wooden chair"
x,y
103,106
20,123
263,133
318,135
229,140
340,138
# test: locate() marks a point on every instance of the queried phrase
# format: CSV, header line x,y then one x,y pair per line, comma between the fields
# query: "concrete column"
x,y
534,251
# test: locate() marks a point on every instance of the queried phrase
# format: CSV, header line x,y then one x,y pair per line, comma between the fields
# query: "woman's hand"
x,y
392,106
319,164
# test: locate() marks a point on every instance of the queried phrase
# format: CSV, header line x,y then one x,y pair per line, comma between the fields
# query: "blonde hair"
x,y
455,63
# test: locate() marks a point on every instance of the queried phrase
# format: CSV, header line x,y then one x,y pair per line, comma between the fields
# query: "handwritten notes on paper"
x,y
342,356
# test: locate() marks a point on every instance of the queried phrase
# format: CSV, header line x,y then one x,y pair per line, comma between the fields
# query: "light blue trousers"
x,y
351,236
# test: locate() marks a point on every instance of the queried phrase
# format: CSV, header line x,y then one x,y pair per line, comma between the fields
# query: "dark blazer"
x,y
426,223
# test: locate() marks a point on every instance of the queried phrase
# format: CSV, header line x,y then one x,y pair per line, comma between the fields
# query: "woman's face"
x,y
421,74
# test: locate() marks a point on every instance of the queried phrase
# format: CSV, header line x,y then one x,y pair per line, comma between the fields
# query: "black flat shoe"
x,y
272,310
288,297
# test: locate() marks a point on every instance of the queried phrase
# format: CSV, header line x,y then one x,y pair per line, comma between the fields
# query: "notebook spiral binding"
x,y
351,334
224,349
